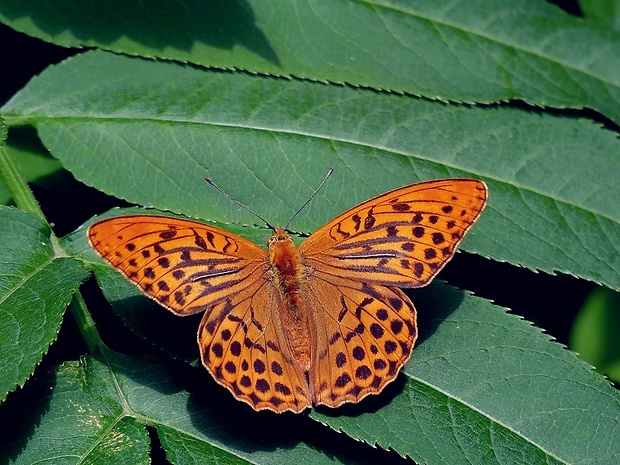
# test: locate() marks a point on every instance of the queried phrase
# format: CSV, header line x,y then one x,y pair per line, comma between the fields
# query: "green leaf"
x,y
94,411
36,286
269,142
462,51
594,333
484,386
604,12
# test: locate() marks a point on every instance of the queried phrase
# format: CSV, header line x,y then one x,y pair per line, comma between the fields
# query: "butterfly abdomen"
x,y
288,276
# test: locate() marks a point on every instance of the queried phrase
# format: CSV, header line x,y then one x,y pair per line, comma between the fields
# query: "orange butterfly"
x,y
324,323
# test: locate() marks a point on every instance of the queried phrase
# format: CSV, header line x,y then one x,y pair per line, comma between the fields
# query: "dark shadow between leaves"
x,y
216,413
222,24
23,411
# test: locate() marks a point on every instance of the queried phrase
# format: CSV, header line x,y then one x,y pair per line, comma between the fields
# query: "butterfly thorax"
x,y
287,273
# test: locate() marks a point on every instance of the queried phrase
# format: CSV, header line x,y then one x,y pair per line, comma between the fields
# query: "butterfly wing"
x,y
190,267
366,327
184,265
401,238
241,340
364,335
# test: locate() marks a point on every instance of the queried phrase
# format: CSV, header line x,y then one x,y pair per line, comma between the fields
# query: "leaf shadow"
x,y
435,303
163,331
222,24
22,413
267,432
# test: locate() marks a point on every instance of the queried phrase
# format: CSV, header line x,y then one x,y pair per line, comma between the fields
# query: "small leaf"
x,y
603,12
35,288
594,335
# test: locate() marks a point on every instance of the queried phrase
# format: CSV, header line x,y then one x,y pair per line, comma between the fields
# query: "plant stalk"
x,y
25,200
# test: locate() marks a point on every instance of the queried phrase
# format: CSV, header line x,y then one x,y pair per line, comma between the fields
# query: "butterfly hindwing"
x,y
243,345
365,334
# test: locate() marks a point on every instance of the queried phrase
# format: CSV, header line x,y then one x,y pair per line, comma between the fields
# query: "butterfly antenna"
x,y
210,181
316,191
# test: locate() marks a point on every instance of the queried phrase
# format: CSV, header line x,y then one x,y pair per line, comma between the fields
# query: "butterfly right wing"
x,y
184,265
242,345
401,238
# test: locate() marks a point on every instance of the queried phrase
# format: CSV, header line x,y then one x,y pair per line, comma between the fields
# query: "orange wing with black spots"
x,y
365,334
290,328
183,265
403,237
366,328
244,347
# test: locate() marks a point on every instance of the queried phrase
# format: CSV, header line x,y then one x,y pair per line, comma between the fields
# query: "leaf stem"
x,y
16,184
25,200
86,324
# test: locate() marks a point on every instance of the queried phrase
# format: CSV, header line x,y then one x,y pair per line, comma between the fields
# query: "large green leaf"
x,y
159,128
472,50
36,285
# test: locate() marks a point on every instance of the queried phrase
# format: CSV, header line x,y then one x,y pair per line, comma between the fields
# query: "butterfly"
x,y
287,328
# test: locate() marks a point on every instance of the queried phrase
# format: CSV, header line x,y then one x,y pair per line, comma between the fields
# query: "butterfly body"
x,y
288,328
288,274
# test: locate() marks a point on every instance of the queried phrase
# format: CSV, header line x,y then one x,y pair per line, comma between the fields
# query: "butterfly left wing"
x,y
401,238
184,265
364,334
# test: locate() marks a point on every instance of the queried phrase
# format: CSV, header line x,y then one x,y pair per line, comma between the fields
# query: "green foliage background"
x,y
264,96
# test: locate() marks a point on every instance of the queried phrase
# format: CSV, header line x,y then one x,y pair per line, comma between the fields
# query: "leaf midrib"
x,y
392,150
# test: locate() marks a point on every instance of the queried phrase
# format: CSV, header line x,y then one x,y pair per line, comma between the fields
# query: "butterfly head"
x,y
280,235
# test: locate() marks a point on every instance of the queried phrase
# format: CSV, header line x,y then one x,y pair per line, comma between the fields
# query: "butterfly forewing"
x,y
403,237
184,265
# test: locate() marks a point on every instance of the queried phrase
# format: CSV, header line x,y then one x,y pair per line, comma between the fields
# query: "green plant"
x,y
483,385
